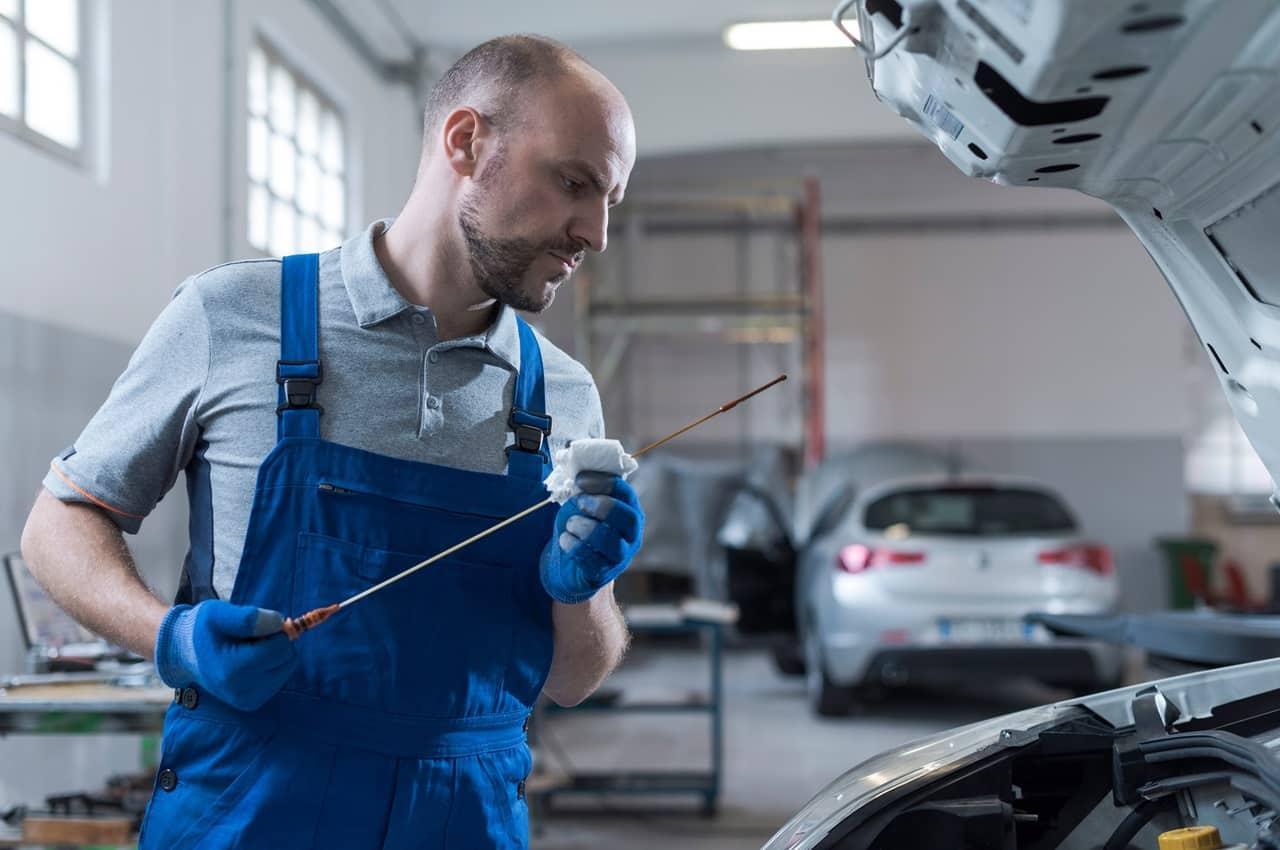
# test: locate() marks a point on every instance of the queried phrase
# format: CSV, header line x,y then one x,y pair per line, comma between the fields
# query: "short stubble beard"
x,y
499,264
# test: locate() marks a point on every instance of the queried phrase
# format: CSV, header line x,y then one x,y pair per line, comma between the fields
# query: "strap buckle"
x,y
299,390
531,430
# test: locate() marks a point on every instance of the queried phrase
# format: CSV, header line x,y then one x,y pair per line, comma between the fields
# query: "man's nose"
x,y
591,228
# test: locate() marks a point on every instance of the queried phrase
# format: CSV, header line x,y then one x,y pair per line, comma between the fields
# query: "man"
x,y
320,463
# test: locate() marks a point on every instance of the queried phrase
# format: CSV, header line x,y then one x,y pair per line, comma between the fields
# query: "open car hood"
x,y
1168,110
854,810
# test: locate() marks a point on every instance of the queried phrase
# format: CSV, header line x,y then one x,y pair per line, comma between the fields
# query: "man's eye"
x,y
571,185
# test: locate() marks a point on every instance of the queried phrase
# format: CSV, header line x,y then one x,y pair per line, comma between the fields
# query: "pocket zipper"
x,y
327,487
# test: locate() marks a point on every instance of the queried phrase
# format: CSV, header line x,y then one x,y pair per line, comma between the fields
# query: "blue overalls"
x,y
404,726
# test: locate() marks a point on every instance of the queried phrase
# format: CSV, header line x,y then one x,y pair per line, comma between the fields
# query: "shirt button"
x,y
168,780
418,318
190,699
434,357
433,403
520,790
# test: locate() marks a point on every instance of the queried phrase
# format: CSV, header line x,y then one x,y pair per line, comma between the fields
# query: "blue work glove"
x,y
597,534
236,653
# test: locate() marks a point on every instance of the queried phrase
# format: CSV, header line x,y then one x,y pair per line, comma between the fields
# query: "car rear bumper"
x,y
1069,663
1061,665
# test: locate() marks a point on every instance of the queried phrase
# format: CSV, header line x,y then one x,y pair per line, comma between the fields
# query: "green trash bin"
x,y
1175,549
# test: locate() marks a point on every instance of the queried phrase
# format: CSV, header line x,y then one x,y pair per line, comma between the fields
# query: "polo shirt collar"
x,y
375,300
372,296
503,337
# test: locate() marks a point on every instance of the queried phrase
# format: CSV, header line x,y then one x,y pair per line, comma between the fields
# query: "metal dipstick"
x,y
295,626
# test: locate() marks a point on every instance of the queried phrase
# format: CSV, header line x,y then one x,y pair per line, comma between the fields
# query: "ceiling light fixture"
x,y
785,35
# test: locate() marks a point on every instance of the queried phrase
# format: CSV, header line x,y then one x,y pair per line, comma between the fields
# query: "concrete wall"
x,y
92,255
1029,335
984,327
945,335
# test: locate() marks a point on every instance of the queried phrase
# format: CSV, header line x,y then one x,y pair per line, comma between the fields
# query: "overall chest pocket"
x,y
438,643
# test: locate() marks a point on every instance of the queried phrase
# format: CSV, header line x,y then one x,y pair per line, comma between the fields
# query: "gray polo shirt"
x,y
202,381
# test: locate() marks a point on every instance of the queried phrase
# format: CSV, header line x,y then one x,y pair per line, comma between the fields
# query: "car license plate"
x,y
982,630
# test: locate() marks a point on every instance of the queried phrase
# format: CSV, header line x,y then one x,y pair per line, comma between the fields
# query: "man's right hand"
x,y
236,653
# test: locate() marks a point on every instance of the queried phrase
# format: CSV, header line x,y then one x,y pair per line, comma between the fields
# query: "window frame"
x,y
18,127
277,56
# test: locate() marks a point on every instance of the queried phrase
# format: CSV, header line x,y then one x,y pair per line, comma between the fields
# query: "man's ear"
x,y
462,129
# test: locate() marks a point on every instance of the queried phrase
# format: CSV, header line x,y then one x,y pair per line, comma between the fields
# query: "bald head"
x,y
498,79
526,148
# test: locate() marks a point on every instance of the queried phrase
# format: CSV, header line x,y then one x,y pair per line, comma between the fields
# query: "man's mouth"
x,y
569,263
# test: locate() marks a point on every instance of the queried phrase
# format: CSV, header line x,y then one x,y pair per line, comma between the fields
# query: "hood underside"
x,y
1168,110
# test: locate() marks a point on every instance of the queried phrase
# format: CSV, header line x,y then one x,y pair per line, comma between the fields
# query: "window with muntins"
x,y
296,158
42,74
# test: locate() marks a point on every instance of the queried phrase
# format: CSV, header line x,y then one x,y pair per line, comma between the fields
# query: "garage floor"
x,y
777,754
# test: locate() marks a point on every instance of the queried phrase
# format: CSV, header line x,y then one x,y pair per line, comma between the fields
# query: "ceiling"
x,y
580,23
687,90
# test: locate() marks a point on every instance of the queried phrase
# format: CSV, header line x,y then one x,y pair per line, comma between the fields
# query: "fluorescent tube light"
x,y
786,35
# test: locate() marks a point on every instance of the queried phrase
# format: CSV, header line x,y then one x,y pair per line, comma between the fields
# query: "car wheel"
x,y
788,658
826,698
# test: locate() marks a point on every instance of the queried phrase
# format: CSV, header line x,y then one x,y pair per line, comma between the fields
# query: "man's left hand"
x,y
597,534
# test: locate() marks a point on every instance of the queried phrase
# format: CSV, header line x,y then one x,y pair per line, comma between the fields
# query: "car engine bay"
x,y
1080,783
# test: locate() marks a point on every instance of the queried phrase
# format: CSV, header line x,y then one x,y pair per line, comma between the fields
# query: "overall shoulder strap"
x,y
529,456
298,372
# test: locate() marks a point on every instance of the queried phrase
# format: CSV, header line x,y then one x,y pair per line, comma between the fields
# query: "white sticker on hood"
x,y
940,115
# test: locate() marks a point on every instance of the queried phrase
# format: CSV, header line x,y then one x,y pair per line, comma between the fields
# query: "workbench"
x,y
80,708
83,708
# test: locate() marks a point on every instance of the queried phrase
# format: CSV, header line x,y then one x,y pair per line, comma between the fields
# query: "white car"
x,y
931,579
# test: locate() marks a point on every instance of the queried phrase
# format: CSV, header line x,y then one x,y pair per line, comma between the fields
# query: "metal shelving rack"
x,y
608,322
705,784
611,314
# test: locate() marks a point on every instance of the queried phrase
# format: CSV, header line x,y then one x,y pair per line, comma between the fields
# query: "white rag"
x,y
586,456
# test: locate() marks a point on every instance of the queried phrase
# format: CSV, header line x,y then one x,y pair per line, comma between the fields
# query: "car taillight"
x,y
1090,556
859,558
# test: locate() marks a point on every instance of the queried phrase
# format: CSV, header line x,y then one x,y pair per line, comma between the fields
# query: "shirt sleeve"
x,y
133,448
595,413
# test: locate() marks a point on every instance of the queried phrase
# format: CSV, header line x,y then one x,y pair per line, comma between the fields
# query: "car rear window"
x,y
970,510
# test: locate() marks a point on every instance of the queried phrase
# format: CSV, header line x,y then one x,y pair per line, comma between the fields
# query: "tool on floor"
x,y
295,626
